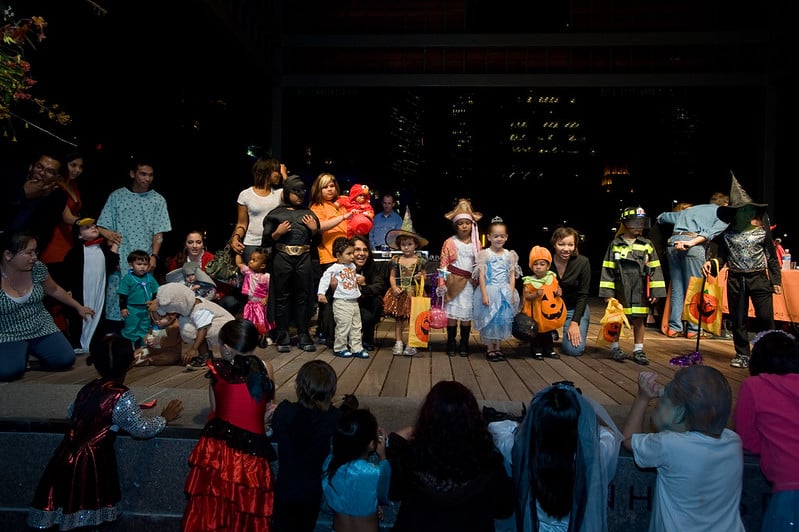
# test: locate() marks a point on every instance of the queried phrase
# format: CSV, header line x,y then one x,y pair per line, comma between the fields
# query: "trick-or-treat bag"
x,y
419,326
612,324
438,316
703,304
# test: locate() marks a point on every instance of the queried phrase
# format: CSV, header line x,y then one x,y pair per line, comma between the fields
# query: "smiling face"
x,y
142,178
75,168
194,244
361,253
564,248
498,236
24,259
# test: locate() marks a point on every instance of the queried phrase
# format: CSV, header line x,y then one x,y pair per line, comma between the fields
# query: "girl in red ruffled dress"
x,y
230,484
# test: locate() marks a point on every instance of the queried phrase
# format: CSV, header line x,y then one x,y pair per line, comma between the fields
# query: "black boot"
x,y
463,348
451,332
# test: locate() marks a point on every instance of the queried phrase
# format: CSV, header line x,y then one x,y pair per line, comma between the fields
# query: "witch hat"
x,y
738,198
407,230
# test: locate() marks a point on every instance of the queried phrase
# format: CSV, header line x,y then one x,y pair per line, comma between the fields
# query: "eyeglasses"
x,y
50,172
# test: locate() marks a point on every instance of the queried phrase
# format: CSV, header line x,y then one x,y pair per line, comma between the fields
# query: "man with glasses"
x,y
35,202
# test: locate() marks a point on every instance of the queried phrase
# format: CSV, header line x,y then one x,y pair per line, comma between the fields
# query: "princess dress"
x,y
256,288
496,320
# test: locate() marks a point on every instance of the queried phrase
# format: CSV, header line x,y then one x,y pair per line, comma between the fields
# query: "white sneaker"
x,y
409,351
397,348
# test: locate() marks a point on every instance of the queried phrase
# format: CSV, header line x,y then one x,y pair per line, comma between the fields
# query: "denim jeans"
x,y
682,266
53,350
566,346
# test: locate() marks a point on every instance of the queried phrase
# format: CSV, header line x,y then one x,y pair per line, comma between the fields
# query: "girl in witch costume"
x,y
746,247
459,257
404,271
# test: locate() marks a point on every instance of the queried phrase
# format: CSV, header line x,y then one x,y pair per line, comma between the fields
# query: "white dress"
x,y
461,307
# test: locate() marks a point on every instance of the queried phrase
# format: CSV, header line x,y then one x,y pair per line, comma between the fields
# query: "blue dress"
x,y
495,320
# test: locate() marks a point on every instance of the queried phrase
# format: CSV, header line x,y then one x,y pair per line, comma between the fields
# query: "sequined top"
x,y
746,250
403,275
357,487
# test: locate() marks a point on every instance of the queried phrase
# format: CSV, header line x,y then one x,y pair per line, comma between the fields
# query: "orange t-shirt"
x,y
325,211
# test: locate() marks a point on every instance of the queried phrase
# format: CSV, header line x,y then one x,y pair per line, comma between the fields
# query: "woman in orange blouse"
x,y
333,224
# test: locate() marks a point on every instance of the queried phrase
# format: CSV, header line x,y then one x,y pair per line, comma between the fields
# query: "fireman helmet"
x,y
634,218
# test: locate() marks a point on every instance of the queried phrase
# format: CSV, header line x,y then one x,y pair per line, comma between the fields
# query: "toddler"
x,y
135,290
346,311
256,287
543,303
199,281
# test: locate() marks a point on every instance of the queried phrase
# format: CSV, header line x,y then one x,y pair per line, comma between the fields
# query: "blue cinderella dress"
x,y
495,320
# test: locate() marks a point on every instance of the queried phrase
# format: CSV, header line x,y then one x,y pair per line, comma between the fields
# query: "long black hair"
x,y
356,430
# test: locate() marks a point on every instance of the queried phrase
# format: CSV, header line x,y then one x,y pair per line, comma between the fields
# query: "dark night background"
x,y
168,78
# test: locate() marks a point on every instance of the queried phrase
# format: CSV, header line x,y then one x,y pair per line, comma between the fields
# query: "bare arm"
x,y
242,222
54,290
634,424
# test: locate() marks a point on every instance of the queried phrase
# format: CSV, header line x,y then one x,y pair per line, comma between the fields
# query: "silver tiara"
x,y
497,220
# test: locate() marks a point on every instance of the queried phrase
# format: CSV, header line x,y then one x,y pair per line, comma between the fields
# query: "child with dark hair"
x,y
563,457
767,419
699,461
346,312
303,431
256,287
135,290
230,484
353,482
80,486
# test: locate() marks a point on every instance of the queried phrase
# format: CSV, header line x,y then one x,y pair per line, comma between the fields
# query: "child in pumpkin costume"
x,y
632,274
543,303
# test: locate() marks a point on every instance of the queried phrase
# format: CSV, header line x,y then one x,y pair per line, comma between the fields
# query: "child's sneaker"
x,y
361,354
397,350
639,357
409,351
343,354
617,354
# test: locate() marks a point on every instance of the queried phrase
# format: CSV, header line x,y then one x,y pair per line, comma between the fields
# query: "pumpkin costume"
x,y
542,302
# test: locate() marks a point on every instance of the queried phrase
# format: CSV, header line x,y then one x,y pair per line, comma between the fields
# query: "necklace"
x,y
10,282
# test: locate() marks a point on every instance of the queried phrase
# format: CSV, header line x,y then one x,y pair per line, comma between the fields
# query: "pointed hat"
x,y
407,230
738,198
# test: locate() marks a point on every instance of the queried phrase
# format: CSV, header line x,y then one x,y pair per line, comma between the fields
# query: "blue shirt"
x,y
357,487
382,225
699,219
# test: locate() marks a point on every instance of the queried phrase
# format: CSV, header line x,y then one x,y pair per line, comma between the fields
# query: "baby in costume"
x,y
363,214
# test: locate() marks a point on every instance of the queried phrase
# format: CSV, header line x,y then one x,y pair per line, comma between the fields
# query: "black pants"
x,y
290,288
740,288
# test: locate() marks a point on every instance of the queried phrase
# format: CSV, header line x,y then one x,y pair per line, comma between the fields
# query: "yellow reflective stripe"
x,y
657,284
654,264
607,284
608,264
636,310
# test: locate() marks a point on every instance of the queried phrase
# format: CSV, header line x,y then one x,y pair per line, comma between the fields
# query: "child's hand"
x,y
321,299
189,354
647,387
124,313
283,228
173,410
381,443
485,300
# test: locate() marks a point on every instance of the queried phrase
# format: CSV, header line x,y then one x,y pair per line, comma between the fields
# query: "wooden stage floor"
x,y
387,376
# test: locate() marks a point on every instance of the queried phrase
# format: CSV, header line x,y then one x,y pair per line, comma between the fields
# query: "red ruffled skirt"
x,y
227,489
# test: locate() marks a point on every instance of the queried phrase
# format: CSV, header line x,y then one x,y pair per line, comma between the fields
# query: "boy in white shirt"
x,y
342,278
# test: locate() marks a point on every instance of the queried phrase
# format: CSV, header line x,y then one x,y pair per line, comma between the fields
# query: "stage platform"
x,y
33,409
